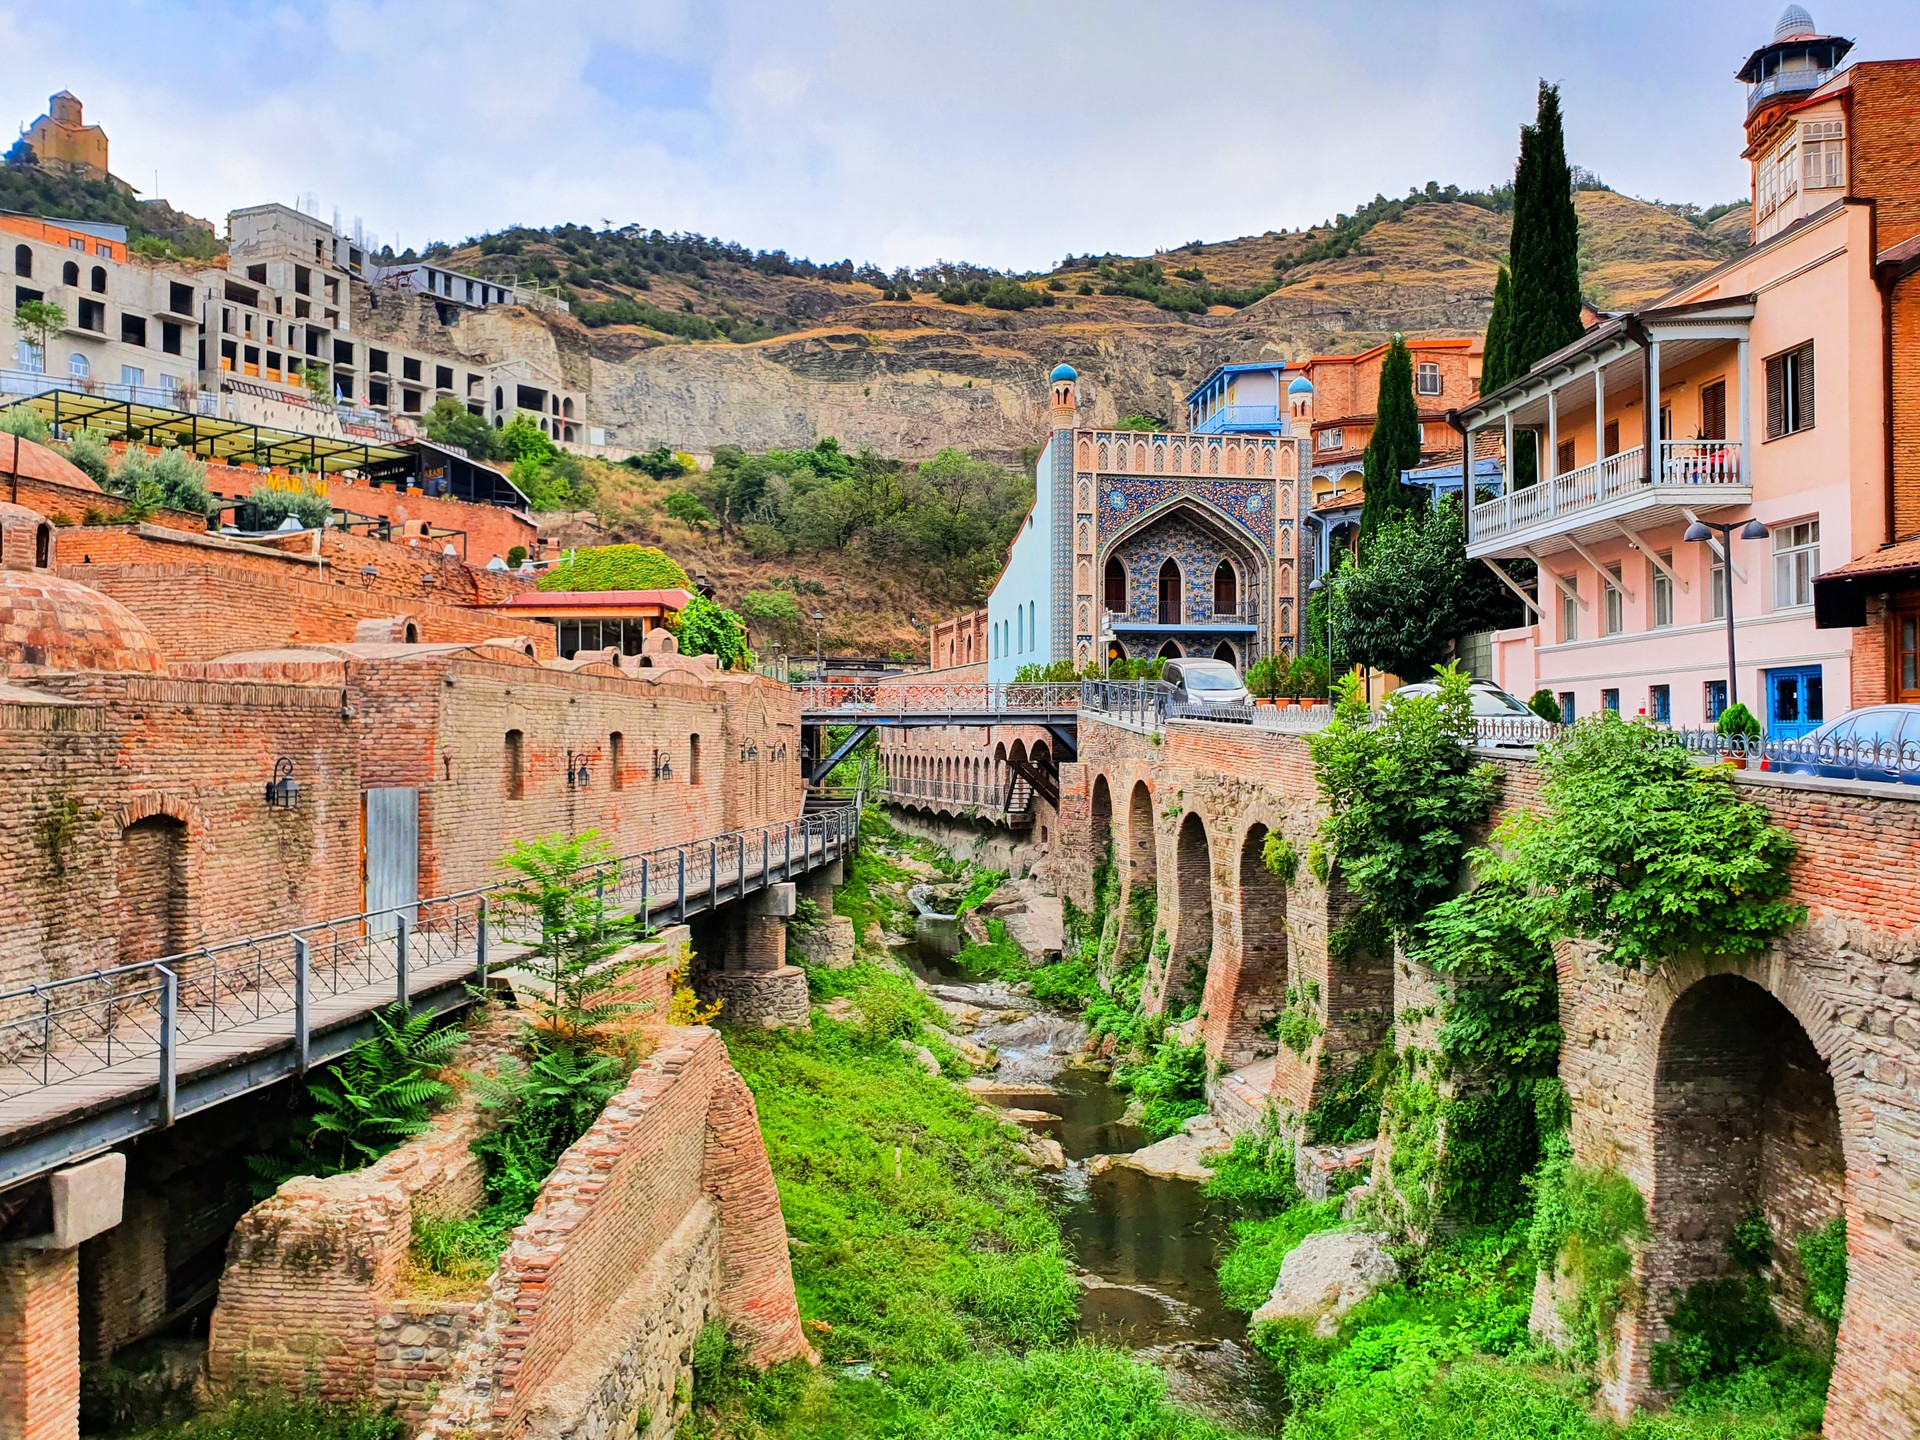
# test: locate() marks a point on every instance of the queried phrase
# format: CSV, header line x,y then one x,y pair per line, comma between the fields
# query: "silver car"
x,y
1205,682
1504,721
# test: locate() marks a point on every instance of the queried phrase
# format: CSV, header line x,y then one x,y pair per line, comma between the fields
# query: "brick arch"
x,y
162,802
1247,978
1190,926
1100,819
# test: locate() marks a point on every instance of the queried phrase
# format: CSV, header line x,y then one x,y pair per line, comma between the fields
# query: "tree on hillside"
x,y
772,614
1394,446
1494,369
451,423
659,462
1415,593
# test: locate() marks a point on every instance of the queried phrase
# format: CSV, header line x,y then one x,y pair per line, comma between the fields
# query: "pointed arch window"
x,y
1226,590
1169,593
1116,586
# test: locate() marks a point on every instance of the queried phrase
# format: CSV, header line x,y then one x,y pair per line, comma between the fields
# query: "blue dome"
x,y
1064,372
1300,386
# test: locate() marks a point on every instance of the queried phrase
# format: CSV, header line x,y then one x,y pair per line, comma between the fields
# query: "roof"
x,y
48,623
1888,560
1750,71
1469,343
672,599
1064,372
1241,368
1300,386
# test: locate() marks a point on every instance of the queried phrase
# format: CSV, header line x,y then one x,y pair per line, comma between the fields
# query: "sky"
x,y
1003,132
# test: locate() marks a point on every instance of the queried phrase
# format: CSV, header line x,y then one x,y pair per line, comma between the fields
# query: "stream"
x,y
1146,1245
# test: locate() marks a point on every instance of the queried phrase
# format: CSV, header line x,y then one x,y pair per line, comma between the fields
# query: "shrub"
x,y
1582,1222
1256,1174
516,557
87,449
1546,705
27,424
615,567
1738,721
705,628
272,504
1259,1246
1266,677
172,480
557,896
1170,1084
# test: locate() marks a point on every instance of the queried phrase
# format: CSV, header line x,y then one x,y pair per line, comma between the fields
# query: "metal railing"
x,y
1139,703
67,1029
1683,463
987,798
166,397
862,700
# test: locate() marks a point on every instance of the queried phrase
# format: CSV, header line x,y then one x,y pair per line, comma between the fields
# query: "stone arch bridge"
x,y
1787,1083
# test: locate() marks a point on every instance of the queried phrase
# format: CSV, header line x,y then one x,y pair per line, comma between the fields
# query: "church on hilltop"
x,y
1147,543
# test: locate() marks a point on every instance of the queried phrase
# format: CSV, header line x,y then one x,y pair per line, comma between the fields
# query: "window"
x,y
1717,590
132,375
70,274
1796,556
23,261
1566,707
616,743
179,298
1426,378
1661,586
1666,422
1906,644
92,316
1790,392
516,765
1569,615
78,367
1116,586
1716,699
74,242
102,250
443,377
693,759
1778,179
1660,704
377,361
169,337
97,281
1713,411
343,353
409,368
1610,700
1613,606
26,356
1330,439
377,393
1226,590
133,330
1563,457
1612,434
1823,155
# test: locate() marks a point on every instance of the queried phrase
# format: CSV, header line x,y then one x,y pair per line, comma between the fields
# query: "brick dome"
x,y
37,462
50,624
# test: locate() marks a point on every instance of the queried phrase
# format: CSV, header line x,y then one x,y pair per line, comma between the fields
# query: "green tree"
x,y
87,449
685,506
705,628
1545,248
1394,446
558,890
38,320
318,379
1494,369
521,438
1403,609
172,480
659,462
775,614
451,423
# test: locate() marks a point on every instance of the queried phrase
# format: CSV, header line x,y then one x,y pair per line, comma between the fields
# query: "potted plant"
x,y
1309,673
1741,727
1265,678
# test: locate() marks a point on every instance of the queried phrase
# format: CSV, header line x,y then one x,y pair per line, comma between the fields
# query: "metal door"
x,y
392,872
1795,703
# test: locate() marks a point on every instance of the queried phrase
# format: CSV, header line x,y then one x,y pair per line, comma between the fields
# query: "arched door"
x,y
1170,593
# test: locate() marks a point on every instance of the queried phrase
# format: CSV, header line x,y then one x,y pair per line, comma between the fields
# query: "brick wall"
x,y
1884,144
39,1344
1904,306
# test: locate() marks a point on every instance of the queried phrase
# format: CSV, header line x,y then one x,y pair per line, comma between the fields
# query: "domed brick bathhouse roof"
x,y
37,462
50,625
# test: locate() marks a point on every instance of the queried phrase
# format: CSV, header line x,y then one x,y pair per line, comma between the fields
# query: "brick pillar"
x,y
754,983
756,1275
39,1344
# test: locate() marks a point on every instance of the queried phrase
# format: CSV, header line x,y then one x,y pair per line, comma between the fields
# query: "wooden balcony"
x,y
1596,500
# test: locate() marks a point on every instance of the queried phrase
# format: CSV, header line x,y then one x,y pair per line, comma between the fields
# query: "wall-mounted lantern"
x,y
283,791
662,766
577,774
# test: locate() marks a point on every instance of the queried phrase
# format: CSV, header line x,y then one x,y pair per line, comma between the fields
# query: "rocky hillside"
x,y
825,353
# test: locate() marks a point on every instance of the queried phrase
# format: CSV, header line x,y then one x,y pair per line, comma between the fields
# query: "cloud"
x,y
998,131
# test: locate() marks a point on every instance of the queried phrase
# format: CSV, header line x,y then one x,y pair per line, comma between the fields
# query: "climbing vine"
x,y
1299,1023
1278,855
1583,1224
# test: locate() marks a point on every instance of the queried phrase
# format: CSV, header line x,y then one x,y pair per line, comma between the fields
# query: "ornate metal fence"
x,y
860,701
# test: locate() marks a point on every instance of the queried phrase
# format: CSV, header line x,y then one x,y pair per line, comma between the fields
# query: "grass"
x,y
277,1419
454,1254
864,898
1252,1264
920,1248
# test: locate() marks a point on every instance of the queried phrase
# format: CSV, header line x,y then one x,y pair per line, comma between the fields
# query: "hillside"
x,y
724,347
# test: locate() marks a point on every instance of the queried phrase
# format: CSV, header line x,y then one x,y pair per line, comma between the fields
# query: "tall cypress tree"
x,y
1494,369
1394,445
1545,250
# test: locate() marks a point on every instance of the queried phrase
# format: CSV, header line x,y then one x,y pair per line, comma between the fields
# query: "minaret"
x,y
1063,387
1066,397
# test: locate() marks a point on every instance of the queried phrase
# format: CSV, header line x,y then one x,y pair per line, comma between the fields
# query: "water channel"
x,y
1147,1246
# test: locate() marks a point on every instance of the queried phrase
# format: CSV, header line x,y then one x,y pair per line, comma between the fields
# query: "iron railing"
x,y
987,798
66,1029
1139,703
866,701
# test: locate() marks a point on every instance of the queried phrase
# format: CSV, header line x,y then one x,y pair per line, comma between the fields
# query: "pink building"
x,y
1772,403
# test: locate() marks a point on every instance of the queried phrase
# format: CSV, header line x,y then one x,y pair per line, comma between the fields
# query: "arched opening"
x,y
1244,998
1169,593
152,903
1192,940
78,366
1142,859
70,274
1169,651
1116,586
1745,1126
516,765
43,546
1100,825
97,281
1224,651
1116,652
23,261
1226,590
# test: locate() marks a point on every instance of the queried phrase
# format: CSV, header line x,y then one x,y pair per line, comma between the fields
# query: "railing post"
x,y
786,866
400,962
680,905
740,867
302,1026
646,909
169,1042
766,857
480,939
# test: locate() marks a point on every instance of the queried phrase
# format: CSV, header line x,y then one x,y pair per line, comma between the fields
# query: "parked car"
x,y
1205,682
1877,742
1504,720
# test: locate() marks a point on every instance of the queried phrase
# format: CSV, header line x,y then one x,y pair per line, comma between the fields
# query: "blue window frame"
x,y
1610,700
1660,704
1566,707
1796,702
1716,699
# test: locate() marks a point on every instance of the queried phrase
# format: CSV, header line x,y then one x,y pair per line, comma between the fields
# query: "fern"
x,y
544,1107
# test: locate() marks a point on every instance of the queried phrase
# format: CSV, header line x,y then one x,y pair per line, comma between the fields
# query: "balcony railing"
x,y
26,382
1239,417
1685,465
1785,82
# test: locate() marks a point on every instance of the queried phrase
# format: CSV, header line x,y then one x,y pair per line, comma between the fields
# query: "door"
x,y
1906,657
392,872
1795,703
1169,593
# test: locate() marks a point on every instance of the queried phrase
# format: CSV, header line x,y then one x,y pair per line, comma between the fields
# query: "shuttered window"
x,y
1563,458
1790,392
1713,411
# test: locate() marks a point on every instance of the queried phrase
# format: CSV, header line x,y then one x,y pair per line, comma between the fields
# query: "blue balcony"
x,y
1242,419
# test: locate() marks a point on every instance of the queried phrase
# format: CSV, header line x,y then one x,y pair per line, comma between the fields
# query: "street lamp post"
x,y
1701,530
1324,586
